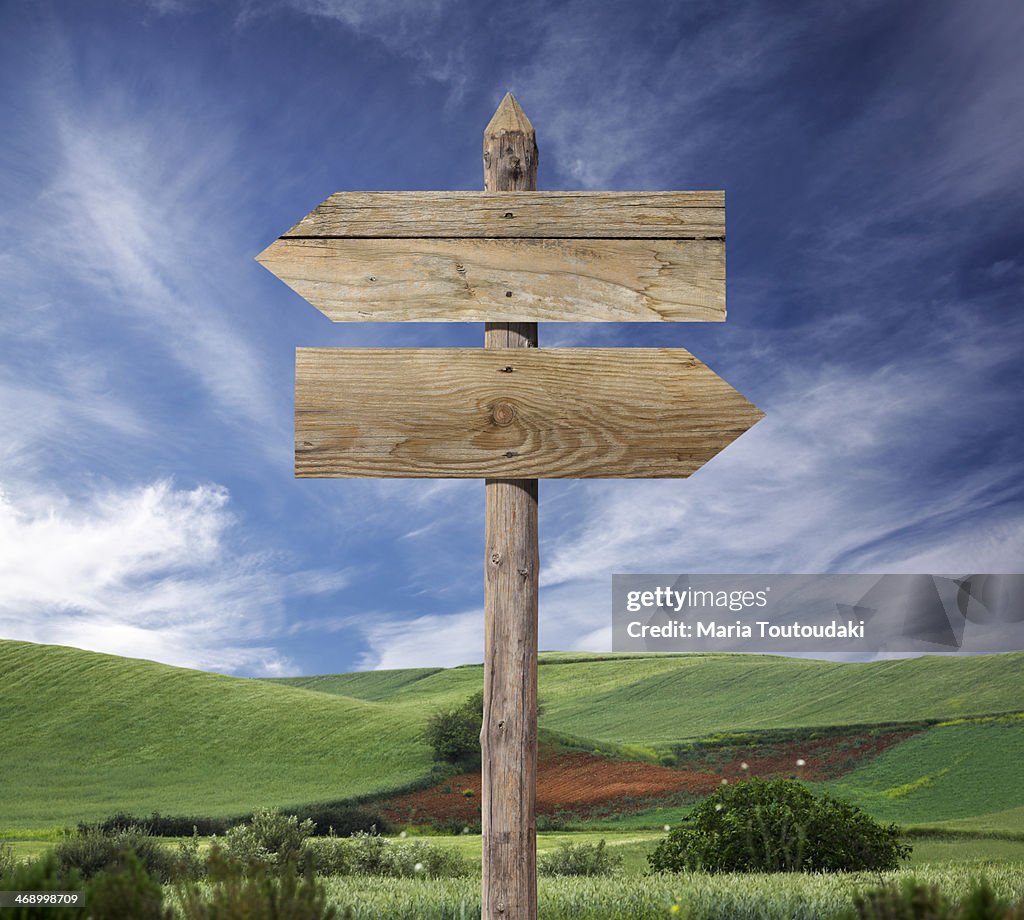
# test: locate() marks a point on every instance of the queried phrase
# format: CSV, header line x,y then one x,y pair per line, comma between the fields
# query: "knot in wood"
x,y
495,558
503,414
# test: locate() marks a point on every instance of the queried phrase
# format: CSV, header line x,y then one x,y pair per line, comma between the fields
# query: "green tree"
x,y
454,734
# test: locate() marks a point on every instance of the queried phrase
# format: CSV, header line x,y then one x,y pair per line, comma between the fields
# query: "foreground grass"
x,y
701,896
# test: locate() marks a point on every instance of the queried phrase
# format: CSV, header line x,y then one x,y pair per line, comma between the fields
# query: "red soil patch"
x,y
582,783
565,782
823,758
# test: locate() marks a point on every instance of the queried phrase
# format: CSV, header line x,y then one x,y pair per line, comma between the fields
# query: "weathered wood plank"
x,y
514,280
558,413
507,215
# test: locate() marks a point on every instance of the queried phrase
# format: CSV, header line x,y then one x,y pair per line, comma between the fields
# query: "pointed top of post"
x,y
509,116
510,150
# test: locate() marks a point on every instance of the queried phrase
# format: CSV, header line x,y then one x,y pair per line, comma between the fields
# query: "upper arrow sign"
x,y
509,256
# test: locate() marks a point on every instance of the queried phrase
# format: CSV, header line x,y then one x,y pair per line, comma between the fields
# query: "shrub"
x,y
329,855
555,822
373,855
255,895
367,855
910,901
189,862
777,826
420,858
455,826
270,838
982,903
914,900
126,890
42,874
158,825
454,734
340,820
91,851
7,859
579,859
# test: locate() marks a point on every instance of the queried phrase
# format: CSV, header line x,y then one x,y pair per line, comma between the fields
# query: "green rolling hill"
x,y
661,699
949,773
86,735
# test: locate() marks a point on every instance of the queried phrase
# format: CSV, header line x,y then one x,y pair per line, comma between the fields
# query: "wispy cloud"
x,y
151,571
136,213
848,472
439,640
419,30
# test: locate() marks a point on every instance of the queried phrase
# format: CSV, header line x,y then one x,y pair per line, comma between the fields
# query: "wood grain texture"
x,y
558,413
513,280
510,150
508,734
511,215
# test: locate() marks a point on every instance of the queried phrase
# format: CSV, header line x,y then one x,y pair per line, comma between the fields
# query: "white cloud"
x,y
439,640
825,483
605,110
138,213
149,571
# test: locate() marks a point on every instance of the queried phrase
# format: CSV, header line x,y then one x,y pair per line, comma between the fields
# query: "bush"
x,y
910,901
126,890
454,734
158,825
420,858
373,855
255,895
270,838
777,826
456,827
189,862
914,900
554,822
7,860
42,874
329,855
340,820
91,851
579,859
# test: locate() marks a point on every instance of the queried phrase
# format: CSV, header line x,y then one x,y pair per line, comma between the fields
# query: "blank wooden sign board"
x,y
537,412
509,257
511,413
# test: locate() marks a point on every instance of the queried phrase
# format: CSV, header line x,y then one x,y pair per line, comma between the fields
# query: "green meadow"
x,y
87,735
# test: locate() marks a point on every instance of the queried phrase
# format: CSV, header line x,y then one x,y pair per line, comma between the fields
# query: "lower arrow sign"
x,y
511,413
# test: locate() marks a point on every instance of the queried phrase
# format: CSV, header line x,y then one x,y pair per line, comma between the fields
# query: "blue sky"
x,y
871,154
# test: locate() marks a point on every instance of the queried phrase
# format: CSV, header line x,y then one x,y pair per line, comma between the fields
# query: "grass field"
x,y
664,699
87,735
1009,820
700,896
946,773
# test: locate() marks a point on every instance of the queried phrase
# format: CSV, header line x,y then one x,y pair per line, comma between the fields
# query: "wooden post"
x,y
508,739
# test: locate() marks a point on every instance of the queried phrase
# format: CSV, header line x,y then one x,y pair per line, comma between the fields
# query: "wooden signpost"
x,y
512,412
